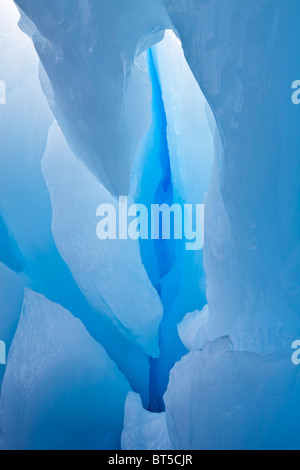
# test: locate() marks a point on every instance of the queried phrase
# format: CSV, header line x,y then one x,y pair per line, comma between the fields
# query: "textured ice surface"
x,y
143,430
252,215
25,208
192,329
136,106
26,241
60,389
224,399
165,173
84,45
190,140
110,273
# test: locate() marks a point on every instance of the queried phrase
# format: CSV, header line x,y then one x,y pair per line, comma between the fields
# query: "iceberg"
x,y
60,390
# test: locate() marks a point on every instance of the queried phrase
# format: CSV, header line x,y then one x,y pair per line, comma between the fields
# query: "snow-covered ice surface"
x,y
212,121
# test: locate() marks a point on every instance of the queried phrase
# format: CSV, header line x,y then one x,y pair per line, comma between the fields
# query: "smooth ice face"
x,y
144,430
189,136
26,240
136,105
192,329
252,215
223,399
60,389
25,209
89,77
25,120
110,273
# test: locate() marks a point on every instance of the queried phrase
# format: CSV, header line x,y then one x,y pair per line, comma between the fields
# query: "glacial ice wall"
x,y
25,209
27,242
240,55
76,46
251,252
100,268
243,54
60,390
244,401
166,172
